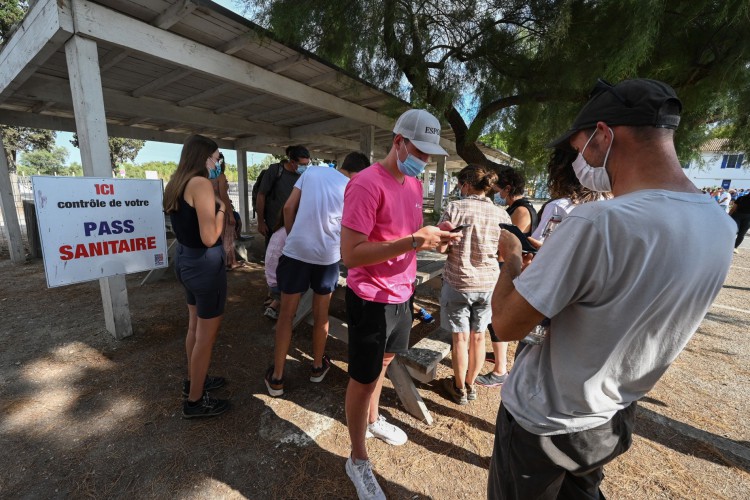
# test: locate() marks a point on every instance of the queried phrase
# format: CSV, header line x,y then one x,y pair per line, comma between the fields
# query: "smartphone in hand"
x,y
526,246
459,228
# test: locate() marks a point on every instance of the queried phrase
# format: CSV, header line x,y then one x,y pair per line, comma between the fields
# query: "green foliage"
x,y
529,65
44,162
121,150
21,139
11,13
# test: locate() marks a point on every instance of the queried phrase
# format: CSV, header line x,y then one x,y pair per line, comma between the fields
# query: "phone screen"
x,y
526,246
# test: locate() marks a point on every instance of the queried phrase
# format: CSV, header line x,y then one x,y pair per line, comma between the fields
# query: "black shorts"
x,y
295,276
375,329
203,273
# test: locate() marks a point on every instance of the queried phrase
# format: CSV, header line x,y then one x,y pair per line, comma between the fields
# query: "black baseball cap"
x,y
637,102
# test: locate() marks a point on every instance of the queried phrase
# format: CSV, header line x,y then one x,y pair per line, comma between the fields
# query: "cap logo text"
x,y
432,130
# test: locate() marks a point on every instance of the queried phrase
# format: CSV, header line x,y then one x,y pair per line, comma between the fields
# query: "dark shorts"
x,y
203,273
295,276
375,329
559,467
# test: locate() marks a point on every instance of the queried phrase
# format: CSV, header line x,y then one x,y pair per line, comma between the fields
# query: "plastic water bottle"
x,y
538,334
552,224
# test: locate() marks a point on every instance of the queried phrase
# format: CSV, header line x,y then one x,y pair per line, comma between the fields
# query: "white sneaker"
x,y
364,480
385,431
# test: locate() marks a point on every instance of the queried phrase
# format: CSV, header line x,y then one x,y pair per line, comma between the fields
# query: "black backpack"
x,y
256,185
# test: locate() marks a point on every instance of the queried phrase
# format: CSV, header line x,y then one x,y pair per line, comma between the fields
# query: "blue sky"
x,y
160,151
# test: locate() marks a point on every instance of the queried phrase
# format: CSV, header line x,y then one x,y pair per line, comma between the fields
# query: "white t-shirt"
x,y
560,206
625,291
316,235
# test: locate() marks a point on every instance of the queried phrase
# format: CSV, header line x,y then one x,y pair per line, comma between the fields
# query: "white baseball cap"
x,y
422,129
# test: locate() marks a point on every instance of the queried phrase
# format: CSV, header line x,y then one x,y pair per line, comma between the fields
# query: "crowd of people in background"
x,y
610,310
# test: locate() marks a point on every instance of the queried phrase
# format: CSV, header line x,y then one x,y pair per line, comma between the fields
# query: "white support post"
x,y
426,184
242,181
91,126
439,179
11,226
367,141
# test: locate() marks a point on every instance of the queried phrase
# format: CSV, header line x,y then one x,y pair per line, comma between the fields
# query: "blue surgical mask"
x,y
214,173
301,169
499,200
411,166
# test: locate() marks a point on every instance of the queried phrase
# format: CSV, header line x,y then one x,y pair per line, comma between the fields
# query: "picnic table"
x,y
419,362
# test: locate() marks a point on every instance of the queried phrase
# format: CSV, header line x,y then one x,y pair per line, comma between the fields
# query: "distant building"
x,y
719,167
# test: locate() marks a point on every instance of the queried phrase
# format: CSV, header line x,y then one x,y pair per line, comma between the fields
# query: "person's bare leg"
x,y
289,303
357,407
190,337
460,358
375,398
501,358
205,336
320,327
476,356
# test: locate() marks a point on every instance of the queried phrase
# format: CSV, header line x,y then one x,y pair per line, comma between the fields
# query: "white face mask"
x,y
594,178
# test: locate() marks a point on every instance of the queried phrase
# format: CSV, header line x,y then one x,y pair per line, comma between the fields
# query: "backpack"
x,y
256,185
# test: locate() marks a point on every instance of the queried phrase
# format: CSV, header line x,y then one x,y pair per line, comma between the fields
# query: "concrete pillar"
x,y
91,127
367,141
439,179
242,181
11,226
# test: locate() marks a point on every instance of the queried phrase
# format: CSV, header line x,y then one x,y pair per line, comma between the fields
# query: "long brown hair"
x,y
196,150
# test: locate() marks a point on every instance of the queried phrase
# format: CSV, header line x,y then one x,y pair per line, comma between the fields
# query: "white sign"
x,y
92,228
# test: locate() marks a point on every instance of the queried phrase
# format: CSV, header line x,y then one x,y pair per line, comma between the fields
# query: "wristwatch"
x,y
413,243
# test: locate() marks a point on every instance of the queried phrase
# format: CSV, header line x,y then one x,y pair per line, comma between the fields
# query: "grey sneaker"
x,y
471,392
211,383
491,380
204,407
457,395
386,432
364,480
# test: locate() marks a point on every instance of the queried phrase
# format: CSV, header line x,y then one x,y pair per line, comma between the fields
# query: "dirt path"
x,y
86,416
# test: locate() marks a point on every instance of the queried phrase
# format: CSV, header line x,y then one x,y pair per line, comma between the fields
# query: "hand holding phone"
x,y
526,246
459,228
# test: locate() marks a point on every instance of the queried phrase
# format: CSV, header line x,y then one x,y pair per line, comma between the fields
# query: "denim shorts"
x,y
203,274
295,276
464,311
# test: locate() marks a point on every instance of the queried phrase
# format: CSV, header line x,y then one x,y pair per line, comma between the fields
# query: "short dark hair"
x,y
355,162
513,178
296,152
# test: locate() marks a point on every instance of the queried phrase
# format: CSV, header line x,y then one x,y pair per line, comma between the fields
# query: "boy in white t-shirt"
x,y
310,259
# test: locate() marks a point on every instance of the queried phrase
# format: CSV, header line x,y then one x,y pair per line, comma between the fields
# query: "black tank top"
x,y
523,202
185,226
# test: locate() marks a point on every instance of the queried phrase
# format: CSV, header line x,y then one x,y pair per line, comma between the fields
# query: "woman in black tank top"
x,y
197,216
510,186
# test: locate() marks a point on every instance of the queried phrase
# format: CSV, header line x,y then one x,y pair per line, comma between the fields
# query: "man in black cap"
x,y
624,289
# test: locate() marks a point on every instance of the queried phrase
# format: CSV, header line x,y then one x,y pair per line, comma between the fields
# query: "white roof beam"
x,y
118,29
207,94
240,104
174,14
113,57
162,81
43,31
285,64
239,43
270,115
329,126
42,106
50,122
322,78
116,102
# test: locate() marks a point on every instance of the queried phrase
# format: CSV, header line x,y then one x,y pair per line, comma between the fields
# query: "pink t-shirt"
x,y
379,206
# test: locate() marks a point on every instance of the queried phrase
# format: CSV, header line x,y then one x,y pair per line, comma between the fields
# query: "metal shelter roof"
x,y
172,68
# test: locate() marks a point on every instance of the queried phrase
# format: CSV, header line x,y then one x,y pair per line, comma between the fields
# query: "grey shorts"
x,y
464,311
203,274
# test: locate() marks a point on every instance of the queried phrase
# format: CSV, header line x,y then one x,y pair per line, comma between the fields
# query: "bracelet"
x,y
413,242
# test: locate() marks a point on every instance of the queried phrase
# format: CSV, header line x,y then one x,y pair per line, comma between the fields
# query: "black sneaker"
x,y
318,374
275,387
210,384
205,407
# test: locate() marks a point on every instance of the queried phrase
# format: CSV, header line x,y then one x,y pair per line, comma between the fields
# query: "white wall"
x,y
711,174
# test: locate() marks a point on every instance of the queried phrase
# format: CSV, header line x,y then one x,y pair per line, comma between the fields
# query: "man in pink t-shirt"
x,y
380,235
